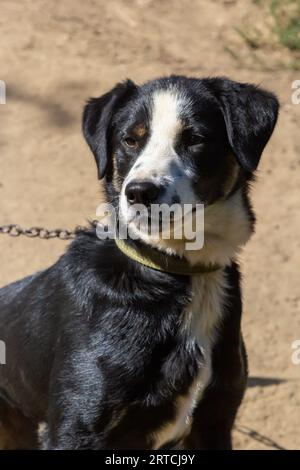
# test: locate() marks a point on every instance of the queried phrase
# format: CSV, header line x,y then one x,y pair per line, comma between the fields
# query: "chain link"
x,y
15,231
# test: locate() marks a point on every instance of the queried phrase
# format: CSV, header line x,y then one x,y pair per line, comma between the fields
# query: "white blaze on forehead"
x,y
165,123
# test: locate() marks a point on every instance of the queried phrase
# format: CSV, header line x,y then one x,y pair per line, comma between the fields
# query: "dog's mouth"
x,y
159,223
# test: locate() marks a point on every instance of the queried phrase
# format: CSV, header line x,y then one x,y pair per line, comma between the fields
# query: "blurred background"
x,y
54,55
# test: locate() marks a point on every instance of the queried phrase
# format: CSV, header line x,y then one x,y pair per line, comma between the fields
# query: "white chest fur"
x,y
200,323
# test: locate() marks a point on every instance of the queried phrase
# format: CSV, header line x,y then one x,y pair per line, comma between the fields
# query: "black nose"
x,y
141,192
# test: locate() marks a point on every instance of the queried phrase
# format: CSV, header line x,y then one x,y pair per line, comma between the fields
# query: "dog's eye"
x,y
131,142
194,140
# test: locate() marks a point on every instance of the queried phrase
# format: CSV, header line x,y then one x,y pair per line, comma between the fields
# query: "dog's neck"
x,y
227,227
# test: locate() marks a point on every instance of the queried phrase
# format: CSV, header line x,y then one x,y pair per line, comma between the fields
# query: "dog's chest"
x,y
200,322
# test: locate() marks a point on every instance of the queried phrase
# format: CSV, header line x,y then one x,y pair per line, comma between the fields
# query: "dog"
x,y
109,351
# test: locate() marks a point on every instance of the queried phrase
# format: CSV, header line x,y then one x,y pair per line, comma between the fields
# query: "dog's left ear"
x,y
250,114
97,116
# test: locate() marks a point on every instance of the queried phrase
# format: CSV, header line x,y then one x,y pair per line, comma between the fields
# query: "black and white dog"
x,y
108,352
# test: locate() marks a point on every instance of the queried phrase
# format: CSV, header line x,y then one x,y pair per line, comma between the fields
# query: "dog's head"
x,y
177,139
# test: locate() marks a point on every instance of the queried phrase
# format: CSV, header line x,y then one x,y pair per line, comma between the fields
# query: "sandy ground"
x,y
53,56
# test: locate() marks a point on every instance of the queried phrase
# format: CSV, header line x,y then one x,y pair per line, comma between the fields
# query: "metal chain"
x,y
15,231
256,436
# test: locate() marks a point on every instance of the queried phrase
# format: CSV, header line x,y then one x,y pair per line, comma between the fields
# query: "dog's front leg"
x,y
215,414
71,439
80,414
212,422
72,431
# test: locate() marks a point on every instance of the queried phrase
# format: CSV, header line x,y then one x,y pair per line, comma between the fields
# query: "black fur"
x,y
97,334
93,343
97,118
250,115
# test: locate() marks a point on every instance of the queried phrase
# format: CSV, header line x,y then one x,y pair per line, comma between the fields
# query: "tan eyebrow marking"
x,y
139,130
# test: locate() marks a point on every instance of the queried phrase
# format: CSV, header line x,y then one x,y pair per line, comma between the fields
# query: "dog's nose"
x,y
141,192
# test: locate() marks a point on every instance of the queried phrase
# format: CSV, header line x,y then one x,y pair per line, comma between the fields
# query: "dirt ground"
x,y
53,56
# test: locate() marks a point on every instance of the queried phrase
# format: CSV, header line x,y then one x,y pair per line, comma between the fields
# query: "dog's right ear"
x,y
96,121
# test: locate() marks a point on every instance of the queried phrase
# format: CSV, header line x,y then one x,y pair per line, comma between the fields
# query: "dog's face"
x,y
178,140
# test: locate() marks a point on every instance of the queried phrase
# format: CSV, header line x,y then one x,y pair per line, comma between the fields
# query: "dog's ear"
x,y
97,116
250,114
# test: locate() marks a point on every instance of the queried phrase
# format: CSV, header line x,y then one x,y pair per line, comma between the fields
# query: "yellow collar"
x,y
155,259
